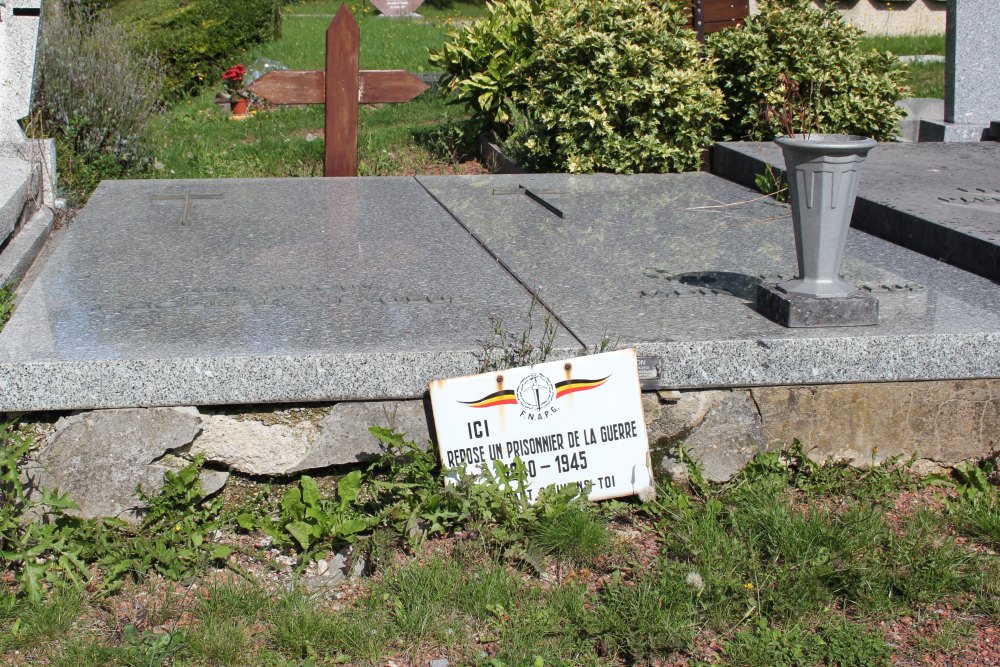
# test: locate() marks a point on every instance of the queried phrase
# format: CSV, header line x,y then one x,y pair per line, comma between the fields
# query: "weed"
x,y
850,644
506,349
925,79
37,620
651,616
569,534
906,44
976,512
772,183
948,636
774,646
794,468
834,642
307,519
174,537
303,628
451,141
39,550
6,305
924,566
152,649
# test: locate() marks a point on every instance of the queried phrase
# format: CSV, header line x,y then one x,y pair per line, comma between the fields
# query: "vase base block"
x,y
798,310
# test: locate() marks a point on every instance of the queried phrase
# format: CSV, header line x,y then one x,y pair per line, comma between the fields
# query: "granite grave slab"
x,y
253,291
288,290
942,200
670,263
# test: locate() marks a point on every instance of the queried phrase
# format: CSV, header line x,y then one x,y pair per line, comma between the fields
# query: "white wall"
x,y
879,17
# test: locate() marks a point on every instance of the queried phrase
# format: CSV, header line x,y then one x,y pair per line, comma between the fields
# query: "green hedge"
x,y
587,85
197,39
847,88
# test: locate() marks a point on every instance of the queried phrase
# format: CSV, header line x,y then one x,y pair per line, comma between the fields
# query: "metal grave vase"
x,y
822,172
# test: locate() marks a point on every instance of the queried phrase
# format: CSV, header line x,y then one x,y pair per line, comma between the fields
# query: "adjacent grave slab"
x,y
942,200
19,23
669,263
254,291
971,91
19,182
289,290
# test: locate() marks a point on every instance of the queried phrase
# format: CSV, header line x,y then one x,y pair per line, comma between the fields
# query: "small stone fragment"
x,y
251,447
344,437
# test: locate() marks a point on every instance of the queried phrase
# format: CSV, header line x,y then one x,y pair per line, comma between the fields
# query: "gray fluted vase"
x,y
822,172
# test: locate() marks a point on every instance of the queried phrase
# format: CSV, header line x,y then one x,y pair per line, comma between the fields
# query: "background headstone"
x,y
397,7
19,24
971,85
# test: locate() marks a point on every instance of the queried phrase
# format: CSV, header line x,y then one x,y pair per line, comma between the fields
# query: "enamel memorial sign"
x,y
570,422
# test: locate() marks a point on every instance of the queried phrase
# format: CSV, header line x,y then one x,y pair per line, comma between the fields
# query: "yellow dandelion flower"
x,y
748,586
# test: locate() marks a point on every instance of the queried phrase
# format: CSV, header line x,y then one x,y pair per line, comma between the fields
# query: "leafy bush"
x,y
587,85
96,93
195,37
848,90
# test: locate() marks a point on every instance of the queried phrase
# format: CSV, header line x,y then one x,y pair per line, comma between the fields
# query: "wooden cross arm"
x,y
309,87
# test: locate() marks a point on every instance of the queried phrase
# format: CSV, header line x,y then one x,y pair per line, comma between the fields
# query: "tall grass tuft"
x,y
96,93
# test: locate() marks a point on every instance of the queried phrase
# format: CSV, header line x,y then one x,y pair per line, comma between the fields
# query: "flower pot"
x,y
822,171
240,106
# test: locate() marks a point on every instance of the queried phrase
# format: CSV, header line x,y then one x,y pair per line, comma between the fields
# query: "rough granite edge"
x,y
383,376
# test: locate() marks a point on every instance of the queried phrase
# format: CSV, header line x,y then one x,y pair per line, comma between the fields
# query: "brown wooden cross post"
x,y
341,88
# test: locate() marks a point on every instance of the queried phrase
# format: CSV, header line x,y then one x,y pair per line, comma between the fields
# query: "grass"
x,y
925,79
791,563
7,297
194,139
906,45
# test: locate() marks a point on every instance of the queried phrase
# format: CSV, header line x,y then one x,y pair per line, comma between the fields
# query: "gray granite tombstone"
x,y
235,291
652,257
19,24
202,292
972,87
27,167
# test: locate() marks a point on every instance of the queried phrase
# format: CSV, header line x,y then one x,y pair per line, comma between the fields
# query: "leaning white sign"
x,y
570,422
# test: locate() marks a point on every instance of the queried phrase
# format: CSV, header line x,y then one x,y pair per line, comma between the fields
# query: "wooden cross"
x,y
341,88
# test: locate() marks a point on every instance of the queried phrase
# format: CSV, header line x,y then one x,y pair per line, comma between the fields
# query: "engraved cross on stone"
x,y
536,197
186,198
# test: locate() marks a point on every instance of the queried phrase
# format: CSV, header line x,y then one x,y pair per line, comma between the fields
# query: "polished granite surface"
x,y
285,290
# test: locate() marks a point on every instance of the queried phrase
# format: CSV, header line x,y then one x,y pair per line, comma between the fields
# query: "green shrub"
x,y
196,39
587,85
849,90
96,93
488,61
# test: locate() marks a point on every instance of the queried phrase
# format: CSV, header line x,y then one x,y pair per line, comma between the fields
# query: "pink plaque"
x,y
397,7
